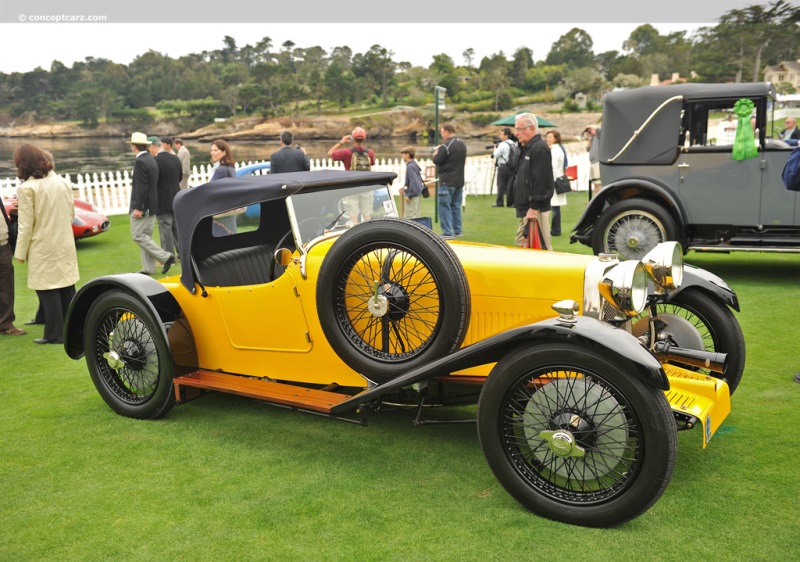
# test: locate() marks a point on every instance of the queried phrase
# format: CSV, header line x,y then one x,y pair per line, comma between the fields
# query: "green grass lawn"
x,y
229,478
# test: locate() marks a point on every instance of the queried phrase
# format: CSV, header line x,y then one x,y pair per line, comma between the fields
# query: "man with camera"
x,y
358,158
288,158
502,151
592,135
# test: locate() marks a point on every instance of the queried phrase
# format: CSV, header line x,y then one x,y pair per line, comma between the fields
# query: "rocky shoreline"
x,y
397,123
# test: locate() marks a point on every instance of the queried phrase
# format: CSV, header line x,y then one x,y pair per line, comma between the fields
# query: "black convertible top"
x,y
625,112
193,205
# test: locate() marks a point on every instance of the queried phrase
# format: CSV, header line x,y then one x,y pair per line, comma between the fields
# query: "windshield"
x,y
315,212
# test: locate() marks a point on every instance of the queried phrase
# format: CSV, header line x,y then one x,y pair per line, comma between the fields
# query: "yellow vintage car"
x,y
582,368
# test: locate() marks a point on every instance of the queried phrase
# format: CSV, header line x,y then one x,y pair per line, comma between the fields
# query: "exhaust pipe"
x,y
666,352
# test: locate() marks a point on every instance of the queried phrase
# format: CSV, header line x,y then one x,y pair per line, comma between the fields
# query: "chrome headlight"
x,y
625,287
664,265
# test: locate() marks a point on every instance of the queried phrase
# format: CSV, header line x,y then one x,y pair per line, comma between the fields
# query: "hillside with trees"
x,y
265,80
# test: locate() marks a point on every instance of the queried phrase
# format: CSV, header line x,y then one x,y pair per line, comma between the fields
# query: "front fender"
x,y
706,281
618,345
617,191
152,294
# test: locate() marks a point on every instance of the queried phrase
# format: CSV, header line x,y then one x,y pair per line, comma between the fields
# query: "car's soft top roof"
x,y
193,205
625,111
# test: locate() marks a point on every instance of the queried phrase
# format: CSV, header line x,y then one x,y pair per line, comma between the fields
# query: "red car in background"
x,y
86,222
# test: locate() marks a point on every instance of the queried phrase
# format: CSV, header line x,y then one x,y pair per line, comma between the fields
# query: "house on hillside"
x,y
786,71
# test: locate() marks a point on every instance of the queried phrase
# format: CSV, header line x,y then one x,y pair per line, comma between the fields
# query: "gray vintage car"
x,y
668,174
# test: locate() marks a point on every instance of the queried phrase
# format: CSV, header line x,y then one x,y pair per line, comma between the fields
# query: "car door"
x,y
717,189
265,317
779,206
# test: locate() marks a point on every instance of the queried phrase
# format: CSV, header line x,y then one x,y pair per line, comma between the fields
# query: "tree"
x,y
574,49
444,71
469,56
745,37
338,84
523,60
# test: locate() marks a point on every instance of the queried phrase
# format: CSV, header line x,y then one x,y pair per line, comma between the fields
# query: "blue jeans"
x,y
450,209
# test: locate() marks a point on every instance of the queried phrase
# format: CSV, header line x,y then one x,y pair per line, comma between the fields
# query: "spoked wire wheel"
x,y
391,296
697,321
574,438
128,358
389,303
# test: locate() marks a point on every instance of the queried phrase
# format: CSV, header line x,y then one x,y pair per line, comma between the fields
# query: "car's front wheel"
x,y
632,227
575,438
695,320
128,357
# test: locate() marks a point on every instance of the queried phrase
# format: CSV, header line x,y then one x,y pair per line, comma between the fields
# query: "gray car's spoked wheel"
x,y
128,359
631,228
634,234
575,439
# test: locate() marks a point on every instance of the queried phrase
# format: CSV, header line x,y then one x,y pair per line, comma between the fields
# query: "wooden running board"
x,y
269,391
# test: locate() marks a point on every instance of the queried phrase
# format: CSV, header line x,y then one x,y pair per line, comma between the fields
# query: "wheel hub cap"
x,y
632,242
562,443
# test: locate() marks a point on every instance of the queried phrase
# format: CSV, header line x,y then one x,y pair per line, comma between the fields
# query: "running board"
x,y
269,391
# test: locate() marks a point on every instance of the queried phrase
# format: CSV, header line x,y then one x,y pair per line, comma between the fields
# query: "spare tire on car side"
x,y
392,296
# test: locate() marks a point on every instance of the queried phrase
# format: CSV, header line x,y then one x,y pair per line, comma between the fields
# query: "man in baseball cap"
x,y
359,158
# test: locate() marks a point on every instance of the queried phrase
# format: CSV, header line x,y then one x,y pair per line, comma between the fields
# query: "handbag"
x,y
13,228
562,182
563,185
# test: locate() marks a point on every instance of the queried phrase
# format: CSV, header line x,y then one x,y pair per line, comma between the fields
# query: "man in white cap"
x,y
144,206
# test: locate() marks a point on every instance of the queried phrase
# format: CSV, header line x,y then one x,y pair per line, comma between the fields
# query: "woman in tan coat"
x,y
45,238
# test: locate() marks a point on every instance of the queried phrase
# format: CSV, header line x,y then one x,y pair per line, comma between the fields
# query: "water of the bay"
x,y
94,155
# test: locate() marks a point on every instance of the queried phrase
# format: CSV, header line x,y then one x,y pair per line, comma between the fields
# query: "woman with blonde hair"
x,y
45,240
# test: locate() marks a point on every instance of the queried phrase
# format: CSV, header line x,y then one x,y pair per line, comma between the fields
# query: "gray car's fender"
x,y
618,345
627,188
153,295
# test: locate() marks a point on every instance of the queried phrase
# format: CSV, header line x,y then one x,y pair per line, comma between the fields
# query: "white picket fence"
x,y
110,191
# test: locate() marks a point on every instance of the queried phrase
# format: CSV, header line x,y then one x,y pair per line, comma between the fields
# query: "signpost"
x,y
438,103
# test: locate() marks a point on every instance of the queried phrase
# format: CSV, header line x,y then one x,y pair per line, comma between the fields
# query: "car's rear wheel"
x,y
575,438
391,296
632,227
128,357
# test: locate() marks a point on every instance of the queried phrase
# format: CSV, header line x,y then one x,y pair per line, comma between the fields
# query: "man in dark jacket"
x,y
144,206
534,183
288,158
170,174
450,157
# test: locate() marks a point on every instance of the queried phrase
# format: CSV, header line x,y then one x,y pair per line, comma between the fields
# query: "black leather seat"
x,y
242,266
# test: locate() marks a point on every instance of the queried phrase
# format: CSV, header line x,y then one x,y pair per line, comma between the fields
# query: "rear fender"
x,y
617,345
618,191
150,292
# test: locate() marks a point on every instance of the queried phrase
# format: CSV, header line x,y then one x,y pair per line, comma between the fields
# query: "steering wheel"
x,y
309,228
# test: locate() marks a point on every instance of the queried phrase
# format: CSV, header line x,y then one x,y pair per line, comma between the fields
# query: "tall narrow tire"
x,y
696,320
574,438
128,358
